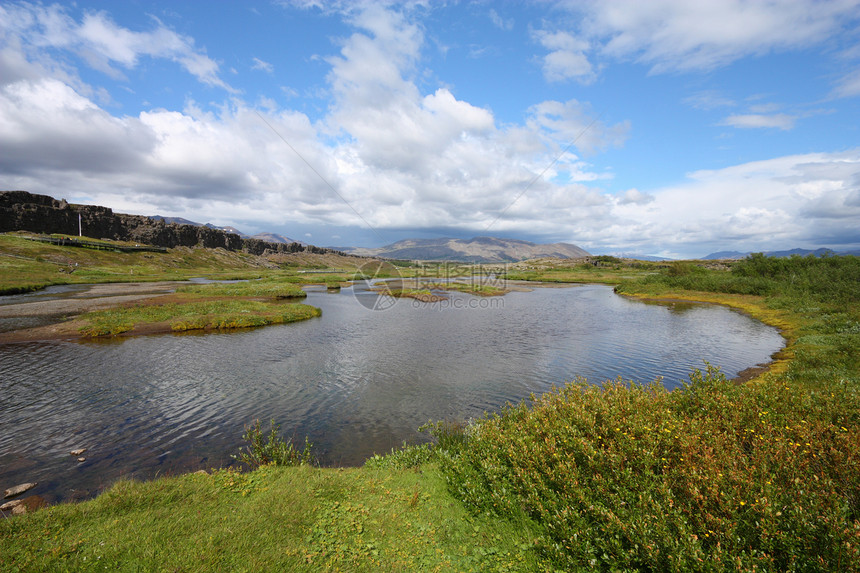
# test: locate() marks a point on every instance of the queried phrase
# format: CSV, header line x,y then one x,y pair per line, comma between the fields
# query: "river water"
x,y
355,381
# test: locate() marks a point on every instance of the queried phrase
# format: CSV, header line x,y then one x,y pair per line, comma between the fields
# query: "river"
x,y
355,381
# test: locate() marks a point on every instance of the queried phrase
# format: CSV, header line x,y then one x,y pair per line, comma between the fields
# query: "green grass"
x,y
421,294
268,288
195,315
274,519
29,265
475,289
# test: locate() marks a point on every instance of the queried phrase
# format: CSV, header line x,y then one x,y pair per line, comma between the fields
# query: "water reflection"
x,y
355,381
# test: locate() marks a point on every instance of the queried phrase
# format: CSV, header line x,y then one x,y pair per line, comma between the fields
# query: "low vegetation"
x,y
193,315
269,288
420,294
273,519
719,475
27,265
476,288
273,449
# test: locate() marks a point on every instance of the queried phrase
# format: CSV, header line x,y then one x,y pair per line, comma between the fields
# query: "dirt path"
x,y
59,311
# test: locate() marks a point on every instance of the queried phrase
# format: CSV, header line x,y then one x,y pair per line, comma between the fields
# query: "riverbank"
x,y
131,309
91,298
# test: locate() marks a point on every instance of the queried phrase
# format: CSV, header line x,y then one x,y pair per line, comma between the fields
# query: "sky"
x,y
668,127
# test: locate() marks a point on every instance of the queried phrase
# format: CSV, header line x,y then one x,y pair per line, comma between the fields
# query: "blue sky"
x,y
666,127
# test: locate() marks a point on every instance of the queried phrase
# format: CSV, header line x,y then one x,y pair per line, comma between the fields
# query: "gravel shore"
x,y
59,313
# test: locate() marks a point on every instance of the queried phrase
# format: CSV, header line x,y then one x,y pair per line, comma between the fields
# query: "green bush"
x,y
831,278
404,458
273,449
633,477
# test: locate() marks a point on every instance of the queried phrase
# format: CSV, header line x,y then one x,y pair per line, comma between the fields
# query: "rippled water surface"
x,y
355,381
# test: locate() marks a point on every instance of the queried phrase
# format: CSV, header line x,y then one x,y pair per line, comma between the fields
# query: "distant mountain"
x,y
638,257
724,255
181,221
227,229
802,252
477,250
274,238
177,220
267,237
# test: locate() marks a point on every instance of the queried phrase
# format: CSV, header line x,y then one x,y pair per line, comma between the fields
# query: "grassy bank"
x,y
720,476
191,314
215,306
274,519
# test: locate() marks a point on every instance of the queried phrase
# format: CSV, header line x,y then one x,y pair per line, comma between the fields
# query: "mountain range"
x,y
788,253
476,250
485,249
268,237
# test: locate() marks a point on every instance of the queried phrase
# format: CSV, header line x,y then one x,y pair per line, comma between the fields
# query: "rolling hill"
x,y
476,250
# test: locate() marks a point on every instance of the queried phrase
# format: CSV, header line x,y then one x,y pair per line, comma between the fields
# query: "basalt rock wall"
x,y
24,211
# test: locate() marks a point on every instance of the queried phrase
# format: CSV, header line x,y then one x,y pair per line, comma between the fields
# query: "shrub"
x,y
404,458
633,477
273,449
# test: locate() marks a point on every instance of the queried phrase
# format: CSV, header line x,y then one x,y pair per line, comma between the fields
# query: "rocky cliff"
x,y
23,211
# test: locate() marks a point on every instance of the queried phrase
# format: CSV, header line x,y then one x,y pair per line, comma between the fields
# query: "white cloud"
x,y
501,23
566,59
47,125
849,85
681,35
635,197
102,43
709,99
575,122
262,66
755,120
785,202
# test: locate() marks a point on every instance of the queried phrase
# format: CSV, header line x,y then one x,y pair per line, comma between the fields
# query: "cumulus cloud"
x,y
635,197
48,125
566,58
798,200
398,157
